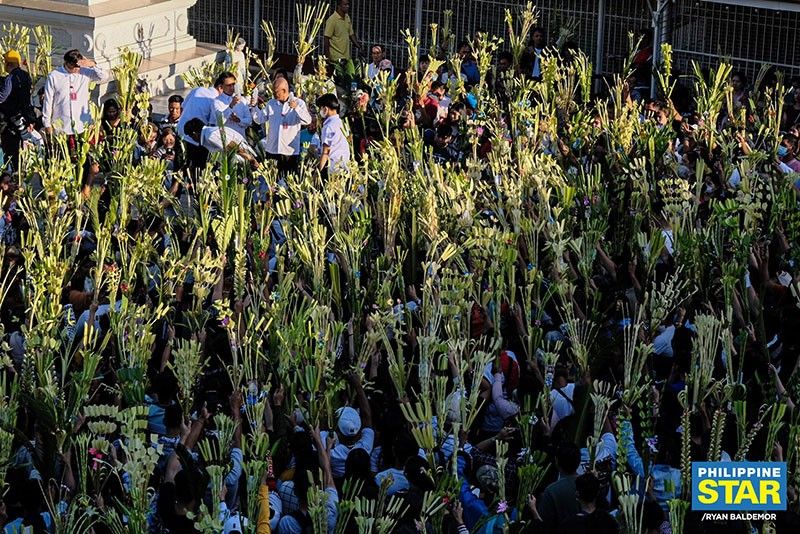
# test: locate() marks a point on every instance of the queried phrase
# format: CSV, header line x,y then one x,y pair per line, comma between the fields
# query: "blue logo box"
x,y
739,486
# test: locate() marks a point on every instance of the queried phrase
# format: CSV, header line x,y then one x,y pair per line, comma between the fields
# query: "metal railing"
x,y
382,21
747,37
700,31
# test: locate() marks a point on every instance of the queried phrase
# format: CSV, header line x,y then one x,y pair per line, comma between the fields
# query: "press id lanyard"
x,y
73,91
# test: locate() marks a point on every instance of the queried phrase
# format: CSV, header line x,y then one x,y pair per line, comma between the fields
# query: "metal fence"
x,y
699,31
745,36
382,21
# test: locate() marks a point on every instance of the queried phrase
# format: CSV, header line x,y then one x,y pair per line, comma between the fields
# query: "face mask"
x,y
323,115
782,151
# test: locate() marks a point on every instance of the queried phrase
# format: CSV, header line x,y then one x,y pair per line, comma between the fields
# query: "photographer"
x,y
15,106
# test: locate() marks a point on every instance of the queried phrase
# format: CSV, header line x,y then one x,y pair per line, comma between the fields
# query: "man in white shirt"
x,y
219,139
199,104
229,107
283,116
561,397
65,107
335,147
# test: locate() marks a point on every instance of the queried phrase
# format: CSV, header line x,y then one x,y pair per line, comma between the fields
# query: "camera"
x,y
20,127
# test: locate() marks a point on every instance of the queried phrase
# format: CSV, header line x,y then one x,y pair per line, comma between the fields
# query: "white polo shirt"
x,y
65,106
199,104
224,111
333,137
340,451
283,125
211,139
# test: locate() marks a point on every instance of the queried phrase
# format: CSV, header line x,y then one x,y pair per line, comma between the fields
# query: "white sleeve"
x,y
303,114
47,102
95,73
261,115
245,117
221,109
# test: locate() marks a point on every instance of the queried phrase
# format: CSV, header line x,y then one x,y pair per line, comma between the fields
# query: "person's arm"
x,y
167,348
196,430
327,34
505,407
259,115
269,417
245,117
324,455
5,92
91,70
632,455
606,262
353,38
363,401
326,153
301,110
68,477
222,110
488,444
235,402
47,105
782,393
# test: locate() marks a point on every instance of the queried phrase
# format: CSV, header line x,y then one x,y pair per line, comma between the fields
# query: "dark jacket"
x,y
18,99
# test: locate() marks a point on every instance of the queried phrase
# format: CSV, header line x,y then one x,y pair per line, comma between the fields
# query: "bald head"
x,y
280,88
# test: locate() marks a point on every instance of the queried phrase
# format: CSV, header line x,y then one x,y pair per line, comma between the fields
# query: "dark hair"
x,y
436,84
72,57
416,471
173,416
328,100
588,487
444,130
165,386
357,465
377,46
175,98
194,126
505,54
568,457
220,81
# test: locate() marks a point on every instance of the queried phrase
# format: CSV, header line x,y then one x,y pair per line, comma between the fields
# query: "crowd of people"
x,y
482,293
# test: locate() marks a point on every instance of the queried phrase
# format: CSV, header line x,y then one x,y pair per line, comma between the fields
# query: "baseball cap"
x,y
349,421
233,524
12,56
488,478
385,64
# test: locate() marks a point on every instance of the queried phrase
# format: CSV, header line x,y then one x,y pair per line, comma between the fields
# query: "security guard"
x,y
16,111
